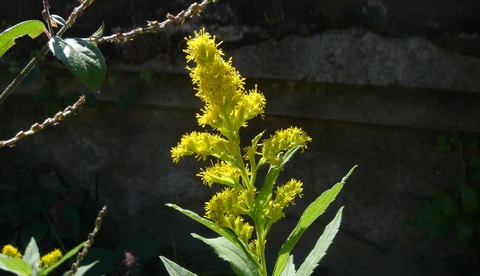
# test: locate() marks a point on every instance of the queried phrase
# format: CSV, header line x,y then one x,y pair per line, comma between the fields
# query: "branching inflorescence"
x,y
228,108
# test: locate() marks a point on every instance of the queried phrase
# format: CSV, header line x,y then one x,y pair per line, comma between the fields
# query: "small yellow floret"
x,y
51,258
11,251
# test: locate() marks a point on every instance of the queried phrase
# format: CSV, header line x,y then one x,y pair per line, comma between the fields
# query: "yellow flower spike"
x,y
221,173
281,141
201,144
50,258
202,48
11,251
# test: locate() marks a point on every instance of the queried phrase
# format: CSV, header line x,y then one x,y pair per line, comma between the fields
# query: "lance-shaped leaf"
x,y
239,261
216,228
174,269
321,246
17,266
32,28
313,211
82,58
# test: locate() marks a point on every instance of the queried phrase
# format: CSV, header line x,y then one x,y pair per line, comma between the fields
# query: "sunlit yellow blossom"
x,y
283,140
236,223
284,196
201,144
232,201
11,251
50,258
228,106
221,173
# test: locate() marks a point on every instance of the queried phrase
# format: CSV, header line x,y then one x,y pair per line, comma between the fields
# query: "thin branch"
x,y
46,16
89,242
155,26
19,78
48,122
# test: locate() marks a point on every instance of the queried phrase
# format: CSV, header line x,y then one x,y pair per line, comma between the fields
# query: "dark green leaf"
x,y
448,204
320,249
475,160
313,211
32,28
174,269
213,226
469,199
465,227
82,58
240,262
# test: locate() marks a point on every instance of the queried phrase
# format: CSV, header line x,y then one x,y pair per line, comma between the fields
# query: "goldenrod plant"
x,y
30,263
243,212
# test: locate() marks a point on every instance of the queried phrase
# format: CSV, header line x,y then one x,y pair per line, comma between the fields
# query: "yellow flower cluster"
x,y
11,251
226,207
281,141
284,196
50,258
227,108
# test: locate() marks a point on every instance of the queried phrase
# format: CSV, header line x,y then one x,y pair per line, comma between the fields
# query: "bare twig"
x,y
155,26
89,242
46,16
48,122
18,79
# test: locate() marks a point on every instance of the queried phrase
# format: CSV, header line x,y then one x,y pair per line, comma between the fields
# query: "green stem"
x,y
261,236
19,78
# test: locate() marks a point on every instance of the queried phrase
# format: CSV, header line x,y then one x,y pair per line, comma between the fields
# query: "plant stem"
x,y
18,79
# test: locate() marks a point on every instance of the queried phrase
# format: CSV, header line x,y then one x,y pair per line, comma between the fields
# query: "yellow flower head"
x,y
50,258
284,196
219,85
221,173
11,251
283,140
202,144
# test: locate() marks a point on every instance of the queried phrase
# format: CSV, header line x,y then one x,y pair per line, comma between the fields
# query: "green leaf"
x,y
448,204
465,228
265,194
219,230
289,268
17,266
313,211
82,58
321,246
81,270
469,199
58,19
32,28
32,256
63,259
99,31
240,262
174,269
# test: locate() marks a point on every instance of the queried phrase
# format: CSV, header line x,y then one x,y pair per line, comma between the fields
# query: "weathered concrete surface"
x,y
376,101
352,56
124,153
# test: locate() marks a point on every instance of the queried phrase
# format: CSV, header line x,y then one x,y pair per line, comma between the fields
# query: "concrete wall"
x,y
376,101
